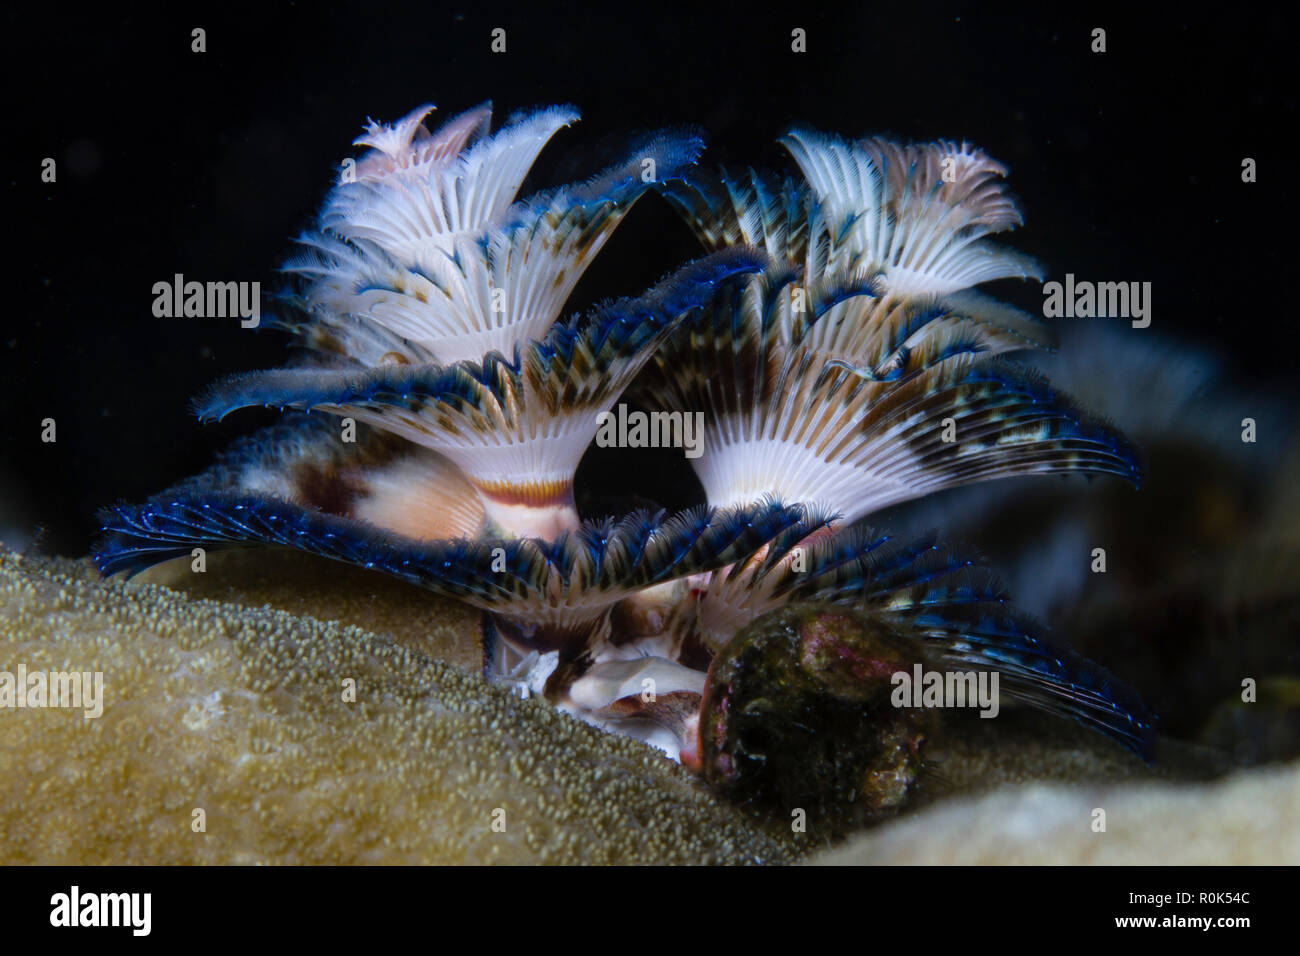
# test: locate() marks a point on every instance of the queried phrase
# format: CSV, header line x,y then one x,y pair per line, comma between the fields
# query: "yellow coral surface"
x,y
241,713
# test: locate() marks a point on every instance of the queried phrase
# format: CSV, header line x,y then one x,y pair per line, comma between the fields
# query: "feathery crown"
x,y
829,338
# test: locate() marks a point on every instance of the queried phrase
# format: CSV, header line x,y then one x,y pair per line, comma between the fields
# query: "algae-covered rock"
x,y
797,715
245,715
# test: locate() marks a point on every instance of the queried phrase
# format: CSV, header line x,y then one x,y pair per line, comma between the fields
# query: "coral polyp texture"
x,y
829,342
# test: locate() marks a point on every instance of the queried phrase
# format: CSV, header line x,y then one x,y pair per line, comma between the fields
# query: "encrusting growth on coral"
x,y
830,339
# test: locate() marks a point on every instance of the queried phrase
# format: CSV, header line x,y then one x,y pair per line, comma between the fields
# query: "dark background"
x,y
1127,165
